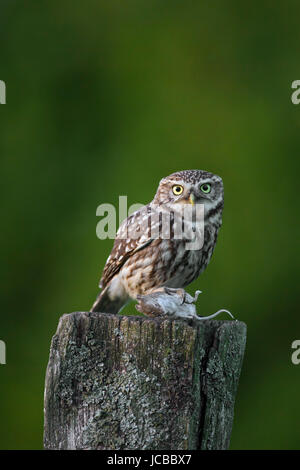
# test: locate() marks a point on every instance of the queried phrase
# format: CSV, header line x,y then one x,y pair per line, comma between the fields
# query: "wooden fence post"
x,y
119,382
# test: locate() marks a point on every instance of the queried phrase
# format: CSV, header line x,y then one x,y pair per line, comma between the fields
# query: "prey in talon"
x,y
168,302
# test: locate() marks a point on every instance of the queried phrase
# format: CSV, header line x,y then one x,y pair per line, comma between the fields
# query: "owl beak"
x,y
192,199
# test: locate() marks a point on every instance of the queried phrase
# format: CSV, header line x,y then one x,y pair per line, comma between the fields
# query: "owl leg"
x,y
173,290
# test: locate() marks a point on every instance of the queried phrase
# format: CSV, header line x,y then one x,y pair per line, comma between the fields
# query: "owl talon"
x,y
173,302
177,291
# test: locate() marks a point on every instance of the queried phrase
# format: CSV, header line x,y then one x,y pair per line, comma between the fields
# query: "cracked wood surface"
x,y
117,382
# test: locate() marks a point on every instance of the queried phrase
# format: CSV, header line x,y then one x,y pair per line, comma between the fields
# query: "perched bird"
x,y
144,259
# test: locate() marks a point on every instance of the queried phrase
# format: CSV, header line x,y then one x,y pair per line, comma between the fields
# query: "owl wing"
x,y
125,245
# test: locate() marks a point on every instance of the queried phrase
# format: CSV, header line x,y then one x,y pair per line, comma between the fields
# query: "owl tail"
x,y
105,304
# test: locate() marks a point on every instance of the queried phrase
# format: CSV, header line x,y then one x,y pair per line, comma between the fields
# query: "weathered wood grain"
x,y
116,382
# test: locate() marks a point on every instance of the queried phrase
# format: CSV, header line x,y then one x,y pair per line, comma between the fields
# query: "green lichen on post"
x,y
117,382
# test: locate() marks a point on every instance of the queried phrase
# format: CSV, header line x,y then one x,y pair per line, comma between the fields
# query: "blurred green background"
x,y
104,98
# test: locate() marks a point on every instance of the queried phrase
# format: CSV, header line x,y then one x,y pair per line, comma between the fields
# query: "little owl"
x,y
147,255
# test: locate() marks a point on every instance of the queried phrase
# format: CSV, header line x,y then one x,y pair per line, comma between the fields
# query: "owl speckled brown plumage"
x,y
140,263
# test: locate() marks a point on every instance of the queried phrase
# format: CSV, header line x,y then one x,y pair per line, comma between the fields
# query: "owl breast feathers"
x,y
151,248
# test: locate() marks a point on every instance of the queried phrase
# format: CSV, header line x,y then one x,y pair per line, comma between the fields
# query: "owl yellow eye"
x,y
205,188
177,189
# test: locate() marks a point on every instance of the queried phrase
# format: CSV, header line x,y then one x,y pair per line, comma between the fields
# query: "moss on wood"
x,y
116,382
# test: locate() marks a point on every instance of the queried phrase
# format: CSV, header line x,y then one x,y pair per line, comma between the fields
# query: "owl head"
x,y
191,187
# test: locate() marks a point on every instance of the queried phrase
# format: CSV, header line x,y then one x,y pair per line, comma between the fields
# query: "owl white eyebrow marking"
x,y
174,182
207,180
